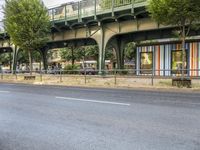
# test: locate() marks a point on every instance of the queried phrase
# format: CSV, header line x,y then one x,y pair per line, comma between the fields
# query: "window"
x,y
177,62
146,64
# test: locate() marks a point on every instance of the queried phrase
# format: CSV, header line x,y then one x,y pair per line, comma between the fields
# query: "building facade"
x,y
166,59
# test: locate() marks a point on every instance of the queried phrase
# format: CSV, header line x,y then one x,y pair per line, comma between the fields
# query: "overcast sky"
x,y
48,3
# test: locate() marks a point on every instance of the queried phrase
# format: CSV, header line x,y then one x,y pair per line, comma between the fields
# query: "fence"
x,y
116,77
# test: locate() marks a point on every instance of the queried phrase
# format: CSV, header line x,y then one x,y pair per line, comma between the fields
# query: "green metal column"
x,y
79,11
113,6
133,3
95,9
119,45
102,46
65,14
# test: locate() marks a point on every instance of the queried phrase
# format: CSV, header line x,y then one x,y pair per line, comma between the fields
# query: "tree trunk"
x,y
10,56
73,60
183,51
30,62
40,65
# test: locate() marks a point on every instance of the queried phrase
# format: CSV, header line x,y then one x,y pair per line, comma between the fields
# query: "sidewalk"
x,y
120,82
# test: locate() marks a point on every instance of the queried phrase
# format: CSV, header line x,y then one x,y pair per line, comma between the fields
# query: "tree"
x,y
5,59
92,51
130,51
71,54
27,23
22,57
182,13
84,52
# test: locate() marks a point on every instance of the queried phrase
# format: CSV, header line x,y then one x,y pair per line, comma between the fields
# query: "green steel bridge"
x,y
84,23
90,11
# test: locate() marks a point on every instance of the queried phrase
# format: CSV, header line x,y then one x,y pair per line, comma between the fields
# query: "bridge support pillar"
x,y
101,41
119,45
102,36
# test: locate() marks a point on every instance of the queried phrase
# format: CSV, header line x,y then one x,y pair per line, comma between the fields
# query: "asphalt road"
x,y
67,118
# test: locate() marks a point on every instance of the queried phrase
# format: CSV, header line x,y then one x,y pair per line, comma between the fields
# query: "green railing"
x,y
86,8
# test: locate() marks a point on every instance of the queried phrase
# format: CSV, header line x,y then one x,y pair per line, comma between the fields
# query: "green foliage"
x,y
22,56
182,13
92,51
71,54
106,4
175,12
27,23
130,51
5,58
84,53
71,69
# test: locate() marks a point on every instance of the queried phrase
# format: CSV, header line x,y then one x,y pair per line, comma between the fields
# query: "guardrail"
x,y
113,75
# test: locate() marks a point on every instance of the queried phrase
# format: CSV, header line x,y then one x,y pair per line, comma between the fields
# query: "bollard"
x,y
115,77
152,82
60,76
152,76
40,76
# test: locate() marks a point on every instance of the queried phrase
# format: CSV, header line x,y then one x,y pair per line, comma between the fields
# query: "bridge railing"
x,y
86,8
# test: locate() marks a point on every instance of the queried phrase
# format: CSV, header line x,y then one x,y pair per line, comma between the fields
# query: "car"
x,y
88,71
6,71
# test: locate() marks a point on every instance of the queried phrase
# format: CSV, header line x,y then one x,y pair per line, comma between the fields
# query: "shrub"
x,y
71,69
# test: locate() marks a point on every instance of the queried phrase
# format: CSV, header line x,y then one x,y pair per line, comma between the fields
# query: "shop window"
x,y
146,64
177,62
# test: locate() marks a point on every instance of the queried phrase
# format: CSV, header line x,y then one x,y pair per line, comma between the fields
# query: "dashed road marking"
x,y
4,91
93,101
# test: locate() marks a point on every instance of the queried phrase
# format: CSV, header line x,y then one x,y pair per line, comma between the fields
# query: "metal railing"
x,y
86,8
114,75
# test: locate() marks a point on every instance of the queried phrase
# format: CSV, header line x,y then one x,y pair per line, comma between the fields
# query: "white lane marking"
x,y
4,91
93,101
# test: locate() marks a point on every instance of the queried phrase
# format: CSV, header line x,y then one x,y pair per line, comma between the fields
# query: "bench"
x,y
179,82
29,77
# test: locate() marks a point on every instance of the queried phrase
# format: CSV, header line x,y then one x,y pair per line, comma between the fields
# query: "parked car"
x,y
54,71
6,71
88,71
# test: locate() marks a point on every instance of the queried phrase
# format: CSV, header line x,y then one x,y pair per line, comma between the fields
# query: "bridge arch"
x,y
73,43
